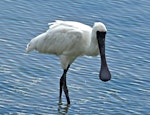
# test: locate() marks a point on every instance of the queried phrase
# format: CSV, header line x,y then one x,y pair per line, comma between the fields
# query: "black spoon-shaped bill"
x,y
104,74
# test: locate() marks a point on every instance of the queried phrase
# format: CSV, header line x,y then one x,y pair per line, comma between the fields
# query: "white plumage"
x,y
69,40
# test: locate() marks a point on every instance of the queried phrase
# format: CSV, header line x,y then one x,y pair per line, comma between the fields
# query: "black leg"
x,y
60,90
63,85
66,90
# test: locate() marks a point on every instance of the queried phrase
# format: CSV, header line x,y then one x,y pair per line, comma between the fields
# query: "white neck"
x,y
93,49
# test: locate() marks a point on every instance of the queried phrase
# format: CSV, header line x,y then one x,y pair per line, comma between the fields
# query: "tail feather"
x,y
37,43
28,49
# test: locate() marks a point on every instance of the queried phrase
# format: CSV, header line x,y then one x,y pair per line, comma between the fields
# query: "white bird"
x,y
69,40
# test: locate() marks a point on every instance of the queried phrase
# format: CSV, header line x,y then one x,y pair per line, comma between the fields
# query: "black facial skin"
x,y
104,74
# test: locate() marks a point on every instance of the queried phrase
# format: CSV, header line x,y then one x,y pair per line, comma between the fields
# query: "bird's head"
x,y
100,31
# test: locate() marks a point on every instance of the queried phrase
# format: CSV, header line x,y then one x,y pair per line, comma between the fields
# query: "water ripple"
x,y
29,83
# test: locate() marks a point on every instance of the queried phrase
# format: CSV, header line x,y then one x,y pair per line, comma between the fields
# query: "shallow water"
x,y
29,83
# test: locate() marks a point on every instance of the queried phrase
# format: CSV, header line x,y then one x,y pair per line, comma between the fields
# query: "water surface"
x,y
29,83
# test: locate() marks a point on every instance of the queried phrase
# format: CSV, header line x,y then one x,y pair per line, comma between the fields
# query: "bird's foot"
x,y
60,102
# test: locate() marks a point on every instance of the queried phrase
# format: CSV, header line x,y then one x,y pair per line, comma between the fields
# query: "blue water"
x,y
29,83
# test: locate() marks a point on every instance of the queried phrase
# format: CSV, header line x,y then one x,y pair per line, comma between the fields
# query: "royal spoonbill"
x,y
69,40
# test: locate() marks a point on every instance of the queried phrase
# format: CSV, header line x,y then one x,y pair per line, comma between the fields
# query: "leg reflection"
x,y
63,109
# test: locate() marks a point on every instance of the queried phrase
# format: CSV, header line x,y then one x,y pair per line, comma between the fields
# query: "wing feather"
x,y
61,40
73,24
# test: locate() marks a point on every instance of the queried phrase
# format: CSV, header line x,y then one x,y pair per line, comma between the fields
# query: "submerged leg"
x,y
63,85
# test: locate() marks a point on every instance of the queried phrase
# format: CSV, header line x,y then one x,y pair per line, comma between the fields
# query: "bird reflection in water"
x,y
63,109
